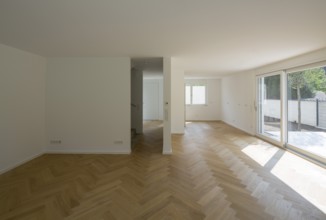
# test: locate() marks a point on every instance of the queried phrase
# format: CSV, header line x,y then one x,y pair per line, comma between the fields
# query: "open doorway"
x,y
147,113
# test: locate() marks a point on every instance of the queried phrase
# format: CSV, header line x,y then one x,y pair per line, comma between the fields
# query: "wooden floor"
x,y
211,175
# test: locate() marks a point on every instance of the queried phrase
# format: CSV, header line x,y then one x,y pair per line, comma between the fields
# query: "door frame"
x,y
281,142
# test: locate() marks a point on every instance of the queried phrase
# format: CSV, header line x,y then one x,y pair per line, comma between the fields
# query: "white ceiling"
x,y
204,36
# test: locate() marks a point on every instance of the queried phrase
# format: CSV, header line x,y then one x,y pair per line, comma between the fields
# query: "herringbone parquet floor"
x,y
207,177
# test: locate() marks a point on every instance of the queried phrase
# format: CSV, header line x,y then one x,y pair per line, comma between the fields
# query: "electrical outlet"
x,y
55,141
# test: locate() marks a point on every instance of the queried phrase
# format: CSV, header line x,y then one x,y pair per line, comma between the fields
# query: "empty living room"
x,y
153,109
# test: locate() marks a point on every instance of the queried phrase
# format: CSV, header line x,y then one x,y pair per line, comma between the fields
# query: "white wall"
x,y
177,99
88,105
158,96
238,101
211,111
22,90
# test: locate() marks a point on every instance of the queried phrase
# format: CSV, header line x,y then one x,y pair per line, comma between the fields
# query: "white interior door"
x,y
151,101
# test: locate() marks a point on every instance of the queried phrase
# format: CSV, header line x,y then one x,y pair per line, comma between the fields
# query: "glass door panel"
x,y
269,106
306,111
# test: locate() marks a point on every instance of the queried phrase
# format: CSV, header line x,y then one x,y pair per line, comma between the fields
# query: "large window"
x,y
195,94
292,109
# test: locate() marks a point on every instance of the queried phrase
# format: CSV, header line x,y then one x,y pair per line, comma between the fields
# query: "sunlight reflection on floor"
x,y
306,178
260,153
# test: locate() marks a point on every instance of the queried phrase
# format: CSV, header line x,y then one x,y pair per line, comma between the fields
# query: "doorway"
x,y
152,94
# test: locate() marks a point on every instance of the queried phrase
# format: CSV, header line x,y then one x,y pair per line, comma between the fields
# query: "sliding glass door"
x,y
269,106
306,111
291,109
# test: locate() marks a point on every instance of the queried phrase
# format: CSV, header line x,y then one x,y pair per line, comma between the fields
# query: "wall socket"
x,y
118,141
55,141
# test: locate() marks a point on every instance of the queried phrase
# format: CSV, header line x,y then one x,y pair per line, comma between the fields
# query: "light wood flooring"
x,y
214,173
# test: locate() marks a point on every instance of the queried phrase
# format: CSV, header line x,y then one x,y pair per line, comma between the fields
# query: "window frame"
x,y
284,142
192,84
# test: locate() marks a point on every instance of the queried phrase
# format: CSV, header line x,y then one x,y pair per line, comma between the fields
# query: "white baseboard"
x,y
85,152
20,163
61,152
237,127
